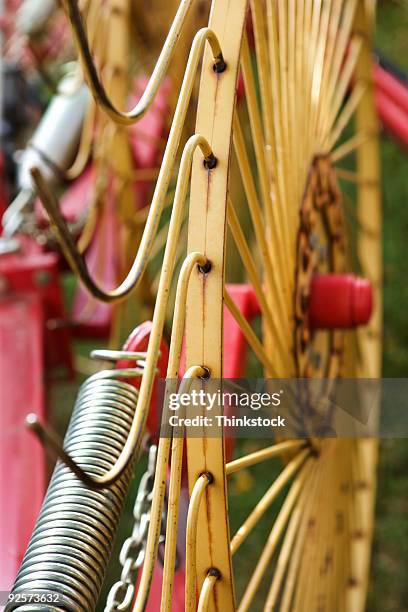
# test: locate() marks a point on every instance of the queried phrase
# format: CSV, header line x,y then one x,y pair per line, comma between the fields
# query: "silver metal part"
x,y
52,147
55,141
15,213
33,15
72,540
9,245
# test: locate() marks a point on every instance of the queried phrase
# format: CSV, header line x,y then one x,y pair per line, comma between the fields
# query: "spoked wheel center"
x,y
321,250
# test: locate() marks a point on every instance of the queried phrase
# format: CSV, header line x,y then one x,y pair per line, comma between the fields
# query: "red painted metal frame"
x,y
30,296
392,102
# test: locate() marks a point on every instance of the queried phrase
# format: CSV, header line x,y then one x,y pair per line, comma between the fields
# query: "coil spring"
x,y
72,541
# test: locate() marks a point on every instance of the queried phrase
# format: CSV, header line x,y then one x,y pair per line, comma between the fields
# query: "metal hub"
x,y
321,248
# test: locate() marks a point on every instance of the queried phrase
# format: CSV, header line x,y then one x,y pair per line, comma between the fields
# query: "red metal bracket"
x,y
29,296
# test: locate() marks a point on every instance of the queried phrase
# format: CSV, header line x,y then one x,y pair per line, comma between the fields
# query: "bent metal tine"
x,y
189,264
191,539
50,440
159,491
159,72
111,355
137,428
50,202
191,261
207,589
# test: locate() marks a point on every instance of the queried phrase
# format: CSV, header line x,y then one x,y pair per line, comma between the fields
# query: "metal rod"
x,y
110,355
349,146
250,335
274,536
264,503
158,74
262,455
244,250
191,540
164,448
177,334
207,589
286,550
136,432
347,112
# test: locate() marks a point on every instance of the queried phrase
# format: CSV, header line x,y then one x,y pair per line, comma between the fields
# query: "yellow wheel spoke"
x,y
287,549
267,499
268,254
247,259
262,455
274,537
348,147
249,334
346,114
278,232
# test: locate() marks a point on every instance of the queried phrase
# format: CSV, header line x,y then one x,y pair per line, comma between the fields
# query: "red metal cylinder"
x,y
339,301
392,87
392,103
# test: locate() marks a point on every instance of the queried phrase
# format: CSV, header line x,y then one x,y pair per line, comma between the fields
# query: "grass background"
x,y
389,583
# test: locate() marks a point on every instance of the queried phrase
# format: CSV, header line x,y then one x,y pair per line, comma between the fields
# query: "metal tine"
x,y
133,442
110,355
52,443
50,439
119,373
158,74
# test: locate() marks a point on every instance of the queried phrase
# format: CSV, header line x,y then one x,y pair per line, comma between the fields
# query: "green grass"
x,y
389,585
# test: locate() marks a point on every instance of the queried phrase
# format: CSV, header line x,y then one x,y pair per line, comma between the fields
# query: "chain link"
x,y
133,551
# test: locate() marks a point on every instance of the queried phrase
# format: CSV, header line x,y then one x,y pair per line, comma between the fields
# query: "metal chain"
x,y
132,553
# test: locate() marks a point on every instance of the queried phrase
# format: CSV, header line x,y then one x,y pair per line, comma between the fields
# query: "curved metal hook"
x,y
139,420
158,74
50,202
